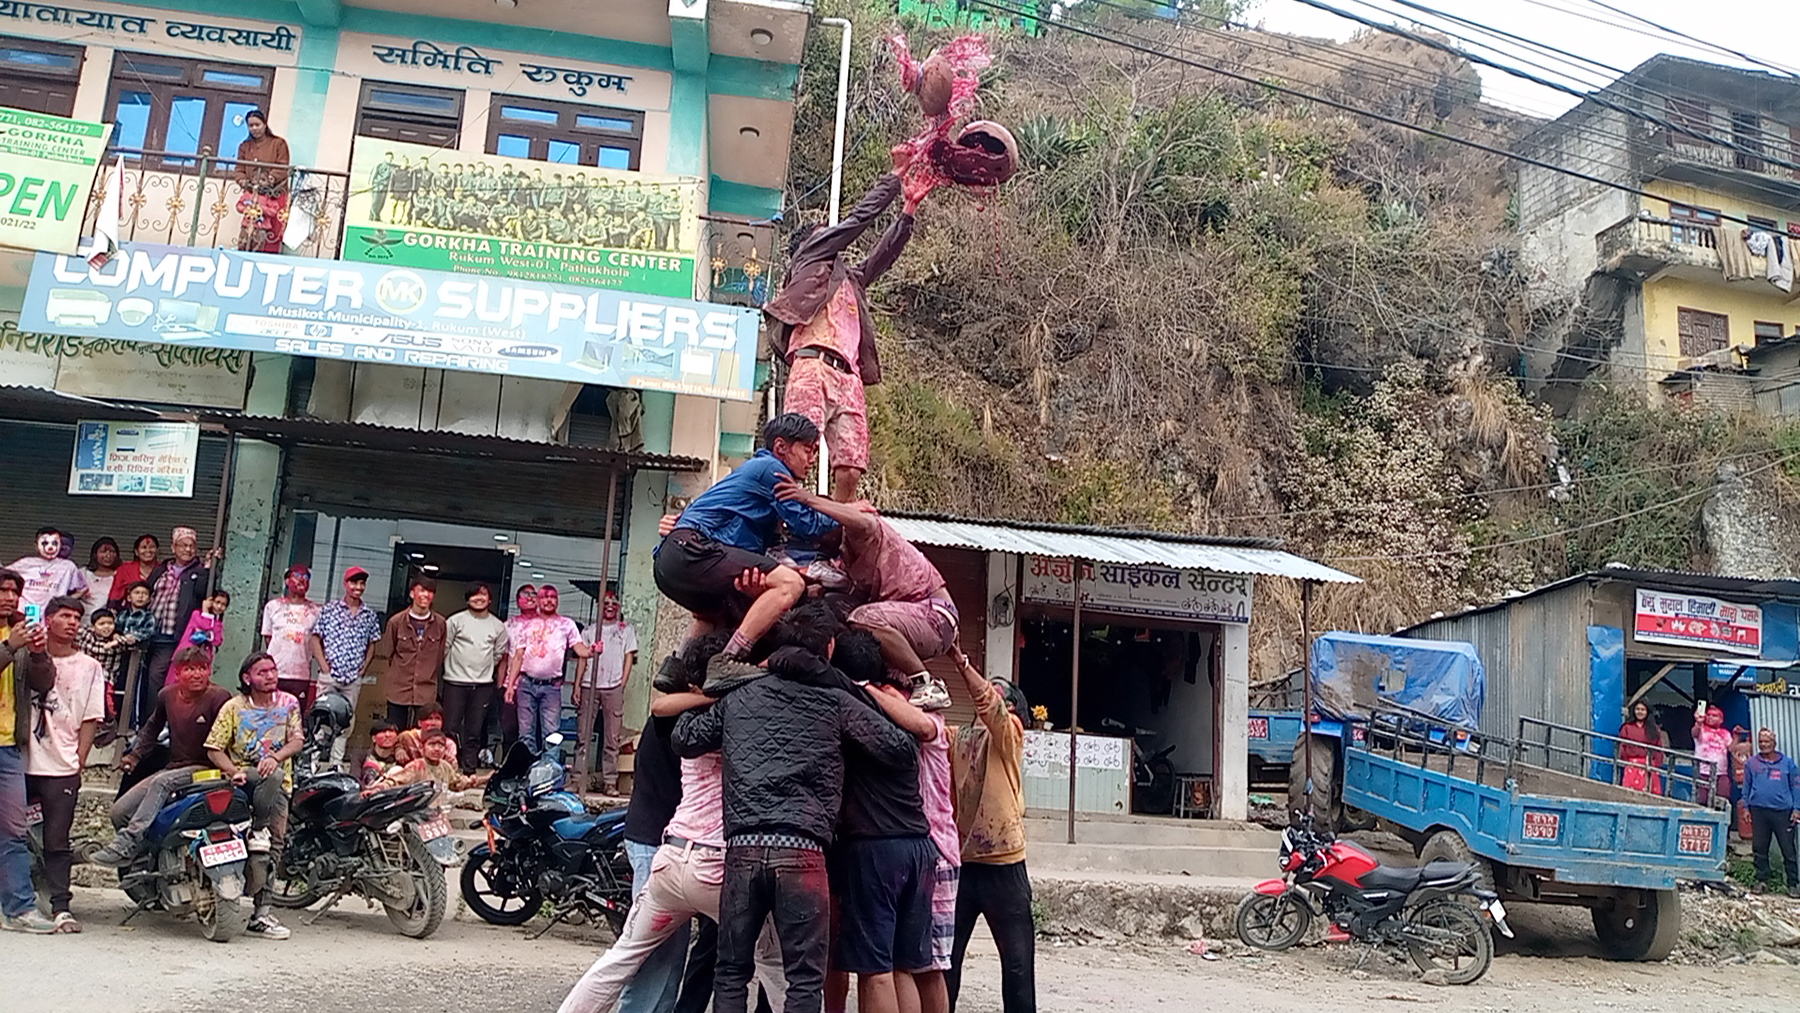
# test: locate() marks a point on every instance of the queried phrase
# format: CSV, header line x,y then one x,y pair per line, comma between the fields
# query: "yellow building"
x,y
1669,286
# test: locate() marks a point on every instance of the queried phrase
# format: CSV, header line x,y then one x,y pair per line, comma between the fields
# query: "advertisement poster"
x,y
1691,620
257,302
415,205
47,167
134,459
1141,590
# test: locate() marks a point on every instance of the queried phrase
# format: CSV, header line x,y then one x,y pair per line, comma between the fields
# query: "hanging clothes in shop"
x,y
1778,259
1734,254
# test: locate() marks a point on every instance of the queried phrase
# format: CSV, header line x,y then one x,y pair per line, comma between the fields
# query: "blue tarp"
x,y
1354,671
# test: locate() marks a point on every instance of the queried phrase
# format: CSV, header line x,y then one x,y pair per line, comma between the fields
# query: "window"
x,y
408,113
1765,224
1702,332
1767,329
1692,226
565,132
39,77
183,107
1691,117
1747,137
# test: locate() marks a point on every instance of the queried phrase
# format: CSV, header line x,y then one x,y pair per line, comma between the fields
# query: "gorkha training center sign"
x,y
415,205
396,316
47,166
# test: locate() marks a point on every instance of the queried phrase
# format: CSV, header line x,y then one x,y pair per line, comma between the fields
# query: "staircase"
x,y
1149,846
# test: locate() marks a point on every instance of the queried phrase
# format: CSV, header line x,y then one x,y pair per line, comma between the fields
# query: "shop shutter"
x,y
34,491
554,498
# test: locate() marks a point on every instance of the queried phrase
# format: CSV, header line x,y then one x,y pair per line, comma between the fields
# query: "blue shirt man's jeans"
x,y
16,895
658,981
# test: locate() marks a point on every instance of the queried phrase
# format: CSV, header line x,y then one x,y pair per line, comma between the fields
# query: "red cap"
x,y
356,573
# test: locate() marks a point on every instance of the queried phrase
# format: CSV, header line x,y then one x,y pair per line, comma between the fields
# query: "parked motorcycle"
x,y
1423,910
386,844
542,846
196,863
1152,773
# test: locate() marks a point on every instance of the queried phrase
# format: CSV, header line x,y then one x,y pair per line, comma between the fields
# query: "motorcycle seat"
x,y
1408,878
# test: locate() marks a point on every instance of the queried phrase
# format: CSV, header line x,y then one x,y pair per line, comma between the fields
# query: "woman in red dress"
x,y
1641,761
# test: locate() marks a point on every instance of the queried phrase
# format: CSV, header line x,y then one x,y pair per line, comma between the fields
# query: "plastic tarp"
x,y
1353,672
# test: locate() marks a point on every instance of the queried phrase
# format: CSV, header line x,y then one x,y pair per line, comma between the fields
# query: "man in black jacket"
x,y
783,740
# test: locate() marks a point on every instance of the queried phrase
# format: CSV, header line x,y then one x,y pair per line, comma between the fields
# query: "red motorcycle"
x,y
1416,909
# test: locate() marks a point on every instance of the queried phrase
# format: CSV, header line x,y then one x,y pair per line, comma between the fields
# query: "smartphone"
x,y
34,613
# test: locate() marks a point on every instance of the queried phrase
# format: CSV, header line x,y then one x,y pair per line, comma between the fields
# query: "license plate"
x,y
1496,909
34,814
222,852
434,828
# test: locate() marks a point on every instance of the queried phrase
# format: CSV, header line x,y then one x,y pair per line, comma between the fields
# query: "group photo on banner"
x,y
422,206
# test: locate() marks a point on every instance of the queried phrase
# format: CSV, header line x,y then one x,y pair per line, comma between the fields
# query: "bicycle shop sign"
x,y
1691,620
1140,590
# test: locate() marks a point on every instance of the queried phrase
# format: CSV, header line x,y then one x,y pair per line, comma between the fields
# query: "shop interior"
x,y
1148,679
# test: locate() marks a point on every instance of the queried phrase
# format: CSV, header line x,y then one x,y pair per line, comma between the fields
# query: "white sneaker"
x,y
266,926
930,694
259,841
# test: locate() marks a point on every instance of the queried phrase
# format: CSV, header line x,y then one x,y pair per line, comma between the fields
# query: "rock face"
x,y
1747,532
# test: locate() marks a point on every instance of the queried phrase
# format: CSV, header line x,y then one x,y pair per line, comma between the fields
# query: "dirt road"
x,y
352,962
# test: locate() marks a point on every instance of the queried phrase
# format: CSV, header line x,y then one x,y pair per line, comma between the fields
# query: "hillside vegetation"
x,y
1202,306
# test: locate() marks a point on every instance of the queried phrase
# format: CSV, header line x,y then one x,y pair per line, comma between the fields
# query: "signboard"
x,y
47,166
1691,620
126,27
134,459
104,368
1695,839
196,298
1542,826
1259,728
1048,752
1141,590
415,205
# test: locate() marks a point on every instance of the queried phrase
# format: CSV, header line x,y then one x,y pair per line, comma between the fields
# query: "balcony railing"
x,y
182,199
1646,245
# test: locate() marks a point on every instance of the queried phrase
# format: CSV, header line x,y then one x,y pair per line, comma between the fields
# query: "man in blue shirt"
x,y
1772,792
728,530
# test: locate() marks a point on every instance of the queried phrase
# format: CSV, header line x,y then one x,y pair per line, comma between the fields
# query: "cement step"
x,y
1149,830
1152,859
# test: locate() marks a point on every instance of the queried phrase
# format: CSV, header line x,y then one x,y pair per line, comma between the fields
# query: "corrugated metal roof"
x,y
1100,545
1669,580
316,433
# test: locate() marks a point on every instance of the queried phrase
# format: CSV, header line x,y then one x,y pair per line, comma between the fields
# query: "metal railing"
x,y
183,199
1664,772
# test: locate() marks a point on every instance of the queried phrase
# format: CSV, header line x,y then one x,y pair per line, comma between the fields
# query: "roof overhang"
x,y
1252,556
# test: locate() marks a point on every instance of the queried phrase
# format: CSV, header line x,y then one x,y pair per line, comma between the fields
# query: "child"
x,y
438,764
205,629
383,758
135,621
411,745
102,641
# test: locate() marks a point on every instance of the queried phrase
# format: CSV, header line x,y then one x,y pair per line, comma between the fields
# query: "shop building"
x,y
1164,652
662,129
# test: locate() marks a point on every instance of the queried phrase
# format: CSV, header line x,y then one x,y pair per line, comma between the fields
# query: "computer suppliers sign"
x,y
134,459
1691,620
47,166
396,316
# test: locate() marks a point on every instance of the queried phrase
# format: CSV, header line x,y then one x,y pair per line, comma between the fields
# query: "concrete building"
x,y
403,454
1634,285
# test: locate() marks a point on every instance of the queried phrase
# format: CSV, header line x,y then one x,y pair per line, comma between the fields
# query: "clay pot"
x,y
936,78
983,154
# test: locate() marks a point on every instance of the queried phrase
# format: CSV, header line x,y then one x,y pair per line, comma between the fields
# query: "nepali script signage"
x,y
256,302
417,205
47,166
1140,590
134,459
112,24
1691,620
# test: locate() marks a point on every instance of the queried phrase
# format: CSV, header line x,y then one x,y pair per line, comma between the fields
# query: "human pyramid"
x,y
818,820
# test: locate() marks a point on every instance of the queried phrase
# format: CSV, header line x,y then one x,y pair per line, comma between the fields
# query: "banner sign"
x,y
47,166
416,205
134,459
104,368
258,302
1140,590
1691,620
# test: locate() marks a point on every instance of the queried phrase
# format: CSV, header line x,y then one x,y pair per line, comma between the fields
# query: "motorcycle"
x,y
1417,909
198,859
544,846
385,844
1152,774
